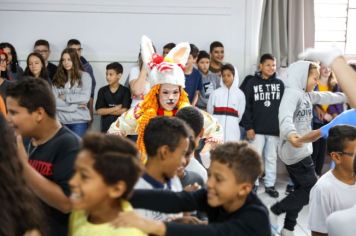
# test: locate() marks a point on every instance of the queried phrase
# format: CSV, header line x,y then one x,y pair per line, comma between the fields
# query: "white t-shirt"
x,y
147,182
195,166
134,73
342,222
327,196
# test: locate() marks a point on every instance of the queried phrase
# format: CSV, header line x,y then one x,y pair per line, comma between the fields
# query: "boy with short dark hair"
x,y
166,141
231,207
167,48
336,189
49,155
227,104
107,168
113,99
210,80
263,94
193,79
216,57
42,47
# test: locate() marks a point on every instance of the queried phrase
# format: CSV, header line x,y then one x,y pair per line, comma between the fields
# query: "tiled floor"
x,y
302,226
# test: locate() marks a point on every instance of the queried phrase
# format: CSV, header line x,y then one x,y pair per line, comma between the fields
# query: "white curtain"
x,y
287,28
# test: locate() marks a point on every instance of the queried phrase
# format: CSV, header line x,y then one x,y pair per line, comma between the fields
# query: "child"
x,y
18,201
343,222
14,70
295,115
231,207
77,46
195,120
167,48
113,99
166,141
336,189
49,154
227,104
42,47
216,57
106,169
263,94
36,67
210,81
193,79
4,82
71,87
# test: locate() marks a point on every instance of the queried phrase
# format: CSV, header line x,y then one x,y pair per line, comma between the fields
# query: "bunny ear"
x,y
146,50
179,54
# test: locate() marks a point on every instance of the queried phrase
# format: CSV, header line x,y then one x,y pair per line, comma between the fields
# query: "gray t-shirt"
x,y
211,81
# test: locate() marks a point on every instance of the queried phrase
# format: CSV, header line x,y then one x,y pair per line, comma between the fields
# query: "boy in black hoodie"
x,y
231,207
263,94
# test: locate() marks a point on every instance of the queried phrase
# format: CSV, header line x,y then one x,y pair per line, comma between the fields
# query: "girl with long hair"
x,y
36,66
14,69
72,88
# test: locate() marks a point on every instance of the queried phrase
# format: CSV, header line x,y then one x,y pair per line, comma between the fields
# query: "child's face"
x,y
203,65
8,53
190,62
174,160
223,189
168,96
325,71
43,50
89,192
346,158
35,65
24,122
3,62
217,54
112,77
268,68
312,81
227,77
67,62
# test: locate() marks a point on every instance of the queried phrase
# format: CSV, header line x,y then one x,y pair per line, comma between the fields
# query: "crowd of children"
x,y
61,179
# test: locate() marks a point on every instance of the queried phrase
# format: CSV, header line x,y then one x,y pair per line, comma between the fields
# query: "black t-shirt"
x,y
51,68
55,160
107,99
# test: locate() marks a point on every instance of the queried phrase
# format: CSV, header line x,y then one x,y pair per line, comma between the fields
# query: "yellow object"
x,y
80,226
324,88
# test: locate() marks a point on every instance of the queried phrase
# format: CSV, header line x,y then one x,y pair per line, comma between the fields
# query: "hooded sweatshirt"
x,y
227,105
295,111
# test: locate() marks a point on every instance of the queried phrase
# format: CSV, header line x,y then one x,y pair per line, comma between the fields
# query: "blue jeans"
x,y
79,128
266,146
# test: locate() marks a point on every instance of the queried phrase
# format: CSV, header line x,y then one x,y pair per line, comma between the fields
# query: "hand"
x,y
192,187
82,106
21,149
118,107
326,56
294,140
62,96
320,112
250,134
189,220
132,219
328,117
211,143
33,232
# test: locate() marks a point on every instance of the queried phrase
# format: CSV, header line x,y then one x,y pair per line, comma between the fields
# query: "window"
x,y
335,24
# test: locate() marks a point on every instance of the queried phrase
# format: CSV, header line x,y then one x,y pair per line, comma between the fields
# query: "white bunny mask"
x,y
167,70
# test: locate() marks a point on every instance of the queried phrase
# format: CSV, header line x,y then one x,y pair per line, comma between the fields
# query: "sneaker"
x,y
274,223
289,189
272,192
286,232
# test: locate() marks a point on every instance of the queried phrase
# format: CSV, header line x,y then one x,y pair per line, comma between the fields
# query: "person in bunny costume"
x,y
166,96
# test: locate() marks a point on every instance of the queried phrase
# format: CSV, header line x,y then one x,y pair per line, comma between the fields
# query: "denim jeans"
x,y
266,146
303,176
78,128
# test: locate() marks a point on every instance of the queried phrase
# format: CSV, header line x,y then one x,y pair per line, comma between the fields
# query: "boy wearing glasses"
x,y
336,189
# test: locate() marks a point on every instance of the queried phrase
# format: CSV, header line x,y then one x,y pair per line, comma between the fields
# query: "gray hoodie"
x,y
295,111
73,108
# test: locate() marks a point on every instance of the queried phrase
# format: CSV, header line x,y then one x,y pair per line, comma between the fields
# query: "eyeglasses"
x,y
41,51
350,154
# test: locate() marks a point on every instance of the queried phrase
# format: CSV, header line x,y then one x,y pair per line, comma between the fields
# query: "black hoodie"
x,y
263,97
